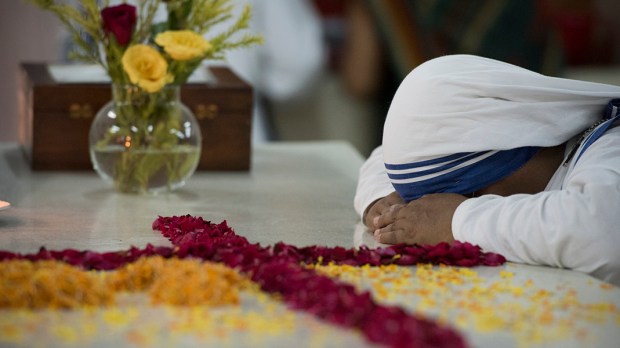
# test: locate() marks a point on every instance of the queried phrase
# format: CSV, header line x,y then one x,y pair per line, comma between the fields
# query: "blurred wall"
x,y
26,34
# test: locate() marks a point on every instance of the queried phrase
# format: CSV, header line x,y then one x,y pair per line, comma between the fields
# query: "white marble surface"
x,y
299,193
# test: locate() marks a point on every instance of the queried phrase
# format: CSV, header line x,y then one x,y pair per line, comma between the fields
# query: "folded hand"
x,y
379,207
427,220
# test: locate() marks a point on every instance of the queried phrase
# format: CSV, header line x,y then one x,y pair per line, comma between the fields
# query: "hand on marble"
x,y
379,207
427,220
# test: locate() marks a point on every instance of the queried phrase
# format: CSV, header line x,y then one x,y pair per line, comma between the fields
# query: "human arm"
x,y
575,227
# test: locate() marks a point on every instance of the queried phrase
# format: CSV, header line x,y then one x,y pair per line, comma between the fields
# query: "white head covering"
x,y
455,111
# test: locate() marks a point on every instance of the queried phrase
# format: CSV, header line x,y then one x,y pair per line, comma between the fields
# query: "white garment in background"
x,y
287,64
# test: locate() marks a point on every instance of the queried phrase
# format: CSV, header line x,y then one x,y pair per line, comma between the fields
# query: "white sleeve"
x,y
373,182
576,227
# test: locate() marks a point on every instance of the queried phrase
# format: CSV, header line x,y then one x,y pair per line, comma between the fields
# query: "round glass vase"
x,y
145,142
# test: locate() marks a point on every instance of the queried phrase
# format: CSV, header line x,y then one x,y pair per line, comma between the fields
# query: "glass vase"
x,y
145,142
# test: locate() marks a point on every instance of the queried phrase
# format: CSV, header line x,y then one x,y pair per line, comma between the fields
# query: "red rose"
x,y
120,21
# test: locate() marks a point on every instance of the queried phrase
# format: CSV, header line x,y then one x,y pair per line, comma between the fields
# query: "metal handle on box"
x,y
77,111
207,112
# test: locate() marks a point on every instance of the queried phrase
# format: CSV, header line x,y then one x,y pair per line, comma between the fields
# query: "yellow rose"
x,y
146,67
183,44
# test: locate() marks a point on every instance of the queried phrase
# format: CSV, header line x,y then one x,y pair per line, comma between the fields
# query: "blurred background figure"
x,y
328,112
286,66
586,30
388,38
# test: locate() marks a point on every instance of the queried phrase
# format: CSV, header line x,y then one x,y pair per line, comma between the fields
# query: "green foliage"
x,y
201,16
84,24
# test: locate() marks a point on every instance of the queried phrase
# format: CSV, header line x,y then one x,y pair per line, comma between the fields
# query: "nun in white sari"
x,y
485,152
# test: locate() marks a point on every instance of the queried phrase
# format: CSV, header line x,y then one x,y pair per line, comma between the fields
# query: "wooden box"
x,y
56,116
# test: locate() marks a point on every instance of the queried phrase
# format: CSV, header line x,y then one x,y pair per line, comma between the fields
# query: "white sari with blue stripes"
x,y
456,118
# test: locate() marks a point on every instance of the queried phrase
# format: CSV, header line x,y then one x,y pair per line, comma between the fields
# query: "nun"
x,y
519,163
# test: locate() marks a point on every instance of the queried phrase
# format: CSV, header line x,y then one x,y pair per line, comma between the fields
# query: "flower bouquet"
x,y
145,139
